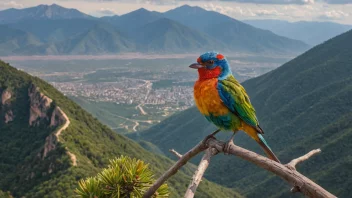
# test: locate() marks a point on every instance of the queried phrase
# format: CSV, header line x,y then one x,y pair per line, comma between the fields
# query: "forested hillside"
x,y
39,159
302,105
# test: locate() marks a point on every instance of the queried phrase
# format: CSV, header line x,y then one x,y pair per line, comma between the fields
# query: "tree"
x,y
124,177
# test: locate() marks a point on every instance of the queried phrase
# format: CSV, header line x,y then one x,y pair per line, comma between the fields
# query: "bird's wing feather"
x,y
235,97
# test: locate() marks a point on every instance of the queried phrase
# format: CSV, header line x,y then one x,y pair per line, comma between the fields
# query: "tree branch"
x,y
299,182
175,153
198,175
173,169
294,178
294,162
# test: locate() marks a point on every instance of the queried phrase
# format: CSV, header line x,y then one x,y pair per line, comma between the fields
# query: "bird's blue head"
x,y
212,65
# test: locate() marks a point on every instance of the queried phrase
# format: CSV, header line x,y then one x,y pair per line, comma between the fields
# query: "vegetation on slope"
x,y
303,105
93,144
125,177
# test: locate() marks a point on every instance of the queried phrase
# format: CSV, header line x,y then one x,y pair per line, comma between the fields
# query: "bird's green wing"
x,y
235,97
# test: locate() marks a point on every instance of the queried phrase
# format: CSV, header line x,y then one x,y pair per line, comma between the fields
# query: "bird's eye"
x,y
210,62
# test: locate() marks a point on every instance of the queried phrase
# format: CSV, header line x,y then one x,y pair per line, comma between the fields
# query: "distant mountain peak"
x,y
188,8
141,10
43,11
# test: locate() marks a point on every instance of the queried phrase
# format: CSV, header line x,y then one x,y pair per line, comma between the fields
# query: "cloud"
x,y
11,4
168,2
338,1
107,11
278,2
246,12
269,12
150,2
334,14
275,1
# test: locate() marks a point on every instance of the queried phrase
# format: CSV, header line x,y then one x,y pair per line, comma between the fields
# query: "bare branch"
x,y
299,182
175,153
173,169
294,162
198,175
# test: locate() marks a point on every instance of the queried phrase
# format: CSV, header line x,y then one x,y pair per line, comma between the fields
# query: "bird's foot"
x,y
227,146
213,134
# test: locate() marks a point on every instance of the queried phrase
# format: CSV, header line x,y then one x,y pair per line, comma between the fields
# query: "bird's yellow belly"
x,y
207,98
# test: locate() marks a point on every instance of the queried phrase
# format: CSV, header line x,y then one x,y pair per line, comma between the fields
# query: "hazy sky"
x,y
292,10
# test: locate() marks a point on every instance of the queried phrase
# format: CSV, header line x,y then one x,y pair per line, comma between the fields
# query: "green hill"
x,y
302,105
39,159
12,40
130,22
237,36
51,31
101,39
165,35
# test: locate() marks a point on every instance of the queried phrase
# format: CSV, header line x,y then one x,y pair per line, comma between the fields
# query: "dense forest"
x,y
303,105
24,172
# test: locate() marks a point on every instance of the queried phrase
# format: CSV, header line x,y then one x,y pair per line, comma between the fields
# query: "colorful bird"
x,y
223,101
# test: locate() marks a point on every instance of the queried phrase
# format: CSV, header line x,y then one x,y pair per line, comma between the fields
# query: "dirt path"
x,y
135,126
58,133
141,109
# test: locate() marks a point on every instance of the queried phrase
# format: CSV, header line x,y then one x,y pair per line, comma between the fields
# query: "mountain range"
x,y
310,32
48,143
303,105
53,11
64,31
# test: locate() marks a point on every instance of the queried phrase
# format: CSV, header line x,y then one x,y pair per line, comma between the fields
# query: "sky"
x,y
291,10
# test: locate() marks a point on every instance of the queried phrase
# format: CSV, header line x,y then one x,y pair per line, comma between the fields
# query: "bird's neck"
x,y
209,73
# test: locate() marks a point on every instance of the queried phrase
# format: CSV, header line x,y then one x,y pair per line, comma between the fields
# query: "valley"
x,y
132,94
81,87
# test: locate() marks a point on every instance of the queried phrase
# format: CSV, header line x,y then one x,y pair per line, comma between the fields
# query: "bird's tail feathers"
x,y
261,141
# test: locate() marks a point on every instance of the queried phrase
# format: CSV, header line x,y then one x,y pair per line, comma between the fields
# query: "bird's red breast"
x,y
209,73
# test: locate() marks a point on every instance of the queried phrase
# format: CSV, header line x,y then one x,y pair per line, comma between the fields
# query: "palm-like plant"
x,y
125,177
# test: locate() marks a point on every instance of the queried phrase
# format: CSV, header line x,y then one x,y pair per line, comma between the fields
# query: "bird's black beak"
x,y
196,66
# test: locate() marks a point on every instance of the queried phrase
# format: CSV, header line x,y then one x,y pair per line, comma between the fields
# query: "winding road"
x,y
58,133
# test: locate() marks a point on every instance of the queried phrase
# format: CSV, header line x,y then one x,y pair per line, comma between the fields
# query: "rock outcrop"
x,y
50,144
9,116
5,96
39,105
58,117
6,106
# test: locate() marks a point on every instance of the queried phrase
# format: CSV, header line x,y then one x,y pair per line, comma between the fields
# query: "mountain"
x,y
48,143
53,11
165,35
101,39
13,39
311,32
110,19
131,21
303,105
51,31
184,29
235,34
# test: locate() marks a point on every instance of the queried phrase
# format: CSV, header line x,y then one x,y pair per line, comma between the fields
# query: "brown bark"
x,y
287,172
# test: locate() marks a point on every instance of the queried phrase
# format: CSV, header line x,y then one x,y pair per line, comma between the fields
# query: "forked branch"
x,y
198,175
287,172
305,157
